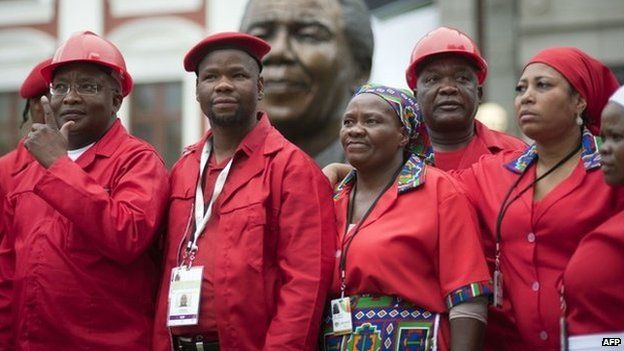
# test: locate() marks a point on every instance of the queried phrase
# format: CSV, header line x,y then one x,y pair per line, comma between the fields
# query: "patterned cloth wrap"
x,y
404,104
383,323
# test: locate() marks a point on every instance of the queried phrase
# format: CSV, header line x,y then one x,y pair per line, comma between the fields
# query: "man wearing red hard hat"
x,y
446,72
74,269
251,229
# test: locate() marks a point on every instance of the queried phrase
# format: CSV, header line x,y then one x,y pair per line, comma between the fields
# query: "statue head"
x,y
321,52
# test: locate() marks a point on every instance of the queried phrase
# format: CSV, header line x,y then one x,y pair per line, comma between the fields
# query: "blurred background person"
x,y
32,89
321,51
592,282
408,237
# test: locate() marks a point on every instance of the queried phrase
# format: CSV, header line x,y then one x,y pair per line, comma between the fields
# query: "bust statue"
x,y
321,51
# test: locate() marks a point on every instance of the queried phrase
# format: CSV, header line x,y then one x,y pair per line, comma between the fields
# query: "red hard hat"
x,y
34,86
441,41
89,47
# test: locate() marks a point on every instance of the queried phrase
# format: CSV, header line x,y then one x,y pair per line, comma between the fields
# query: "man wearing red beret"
x,y
250,242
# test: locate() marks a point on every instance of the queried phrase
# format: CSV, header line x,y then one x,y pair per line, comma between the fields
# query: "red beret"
x,y
254,46
34,85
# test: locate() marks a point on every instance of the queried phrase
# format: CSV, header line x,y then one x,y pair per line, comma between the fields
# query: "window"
x,y
156,117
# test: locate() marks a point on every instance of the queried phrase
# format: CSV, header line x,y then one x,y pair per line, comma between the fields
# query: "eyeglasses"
x,y
83,88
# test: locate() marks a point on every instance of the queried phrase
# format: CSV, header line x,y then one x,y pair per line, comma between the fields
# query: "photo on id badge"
x,y
184,295
341,316
183,304
340,306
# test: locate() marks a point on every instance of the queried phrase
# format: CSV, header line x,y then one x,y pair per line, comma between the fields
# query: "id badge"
x,y
498,289
341,316
184,293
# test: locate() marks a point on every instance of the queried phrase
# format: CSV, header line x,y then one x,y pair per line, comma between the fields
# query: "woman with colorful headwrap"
x,y
410,258
593,282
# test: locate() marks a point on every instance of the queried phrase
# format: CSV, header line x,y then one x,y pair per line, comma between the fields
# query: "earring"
x,y
260,96
579,120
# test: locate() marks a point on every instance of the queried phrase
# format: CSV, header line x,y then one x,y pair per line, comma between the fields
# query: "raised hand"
x,y
45,141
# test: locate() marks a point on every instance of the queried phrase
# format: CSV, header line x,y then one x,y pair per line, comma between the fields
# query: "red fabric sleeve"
x,y
305,257
7,269
463,270
122,221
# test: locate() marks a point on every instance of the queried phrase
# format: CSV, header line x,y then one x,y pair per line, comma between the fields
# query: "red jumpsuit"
x,y
420,243
486,141
269,257
11,164
77,249
538,237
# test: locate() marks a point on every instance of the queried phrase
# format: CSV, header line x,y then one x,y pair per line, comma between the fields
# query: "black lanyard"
x,y
506,202
346,242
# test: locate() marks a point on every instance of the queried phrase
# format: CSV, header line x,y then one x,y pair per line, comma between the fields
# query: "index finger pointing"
x,y
48,115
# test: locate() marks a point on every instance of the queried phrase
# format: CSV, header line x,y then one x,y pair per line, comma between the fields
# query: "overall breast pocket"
x,y
247,227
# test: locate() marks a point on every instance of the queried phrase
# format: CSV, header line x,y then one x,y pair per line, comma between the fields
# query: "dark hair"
x,y
358,32
25,113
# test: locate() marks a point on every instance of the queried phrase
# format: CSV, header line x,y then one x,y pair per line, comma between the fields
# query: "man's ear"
x,y
117,100
196,93
260,87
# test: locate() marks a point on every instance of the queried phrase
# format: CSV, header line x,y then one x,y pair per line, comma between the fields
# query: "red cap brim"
x,y
254,46
34,85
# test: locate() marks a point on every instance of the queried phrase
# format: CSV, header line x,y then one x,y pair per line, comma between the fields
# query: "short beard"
x,y
238,119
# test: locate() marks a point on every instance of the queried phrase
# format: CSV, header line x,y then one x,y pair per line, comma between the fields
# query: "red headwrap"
x,y
589,77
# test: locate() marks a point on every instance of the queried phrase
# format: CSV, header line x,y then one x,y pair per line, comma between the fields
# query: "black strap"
x,y
505,205
346,242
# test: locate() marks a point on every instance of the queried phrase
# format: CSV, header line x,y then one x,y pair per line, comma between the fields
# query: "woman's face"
x,y
546,106
612,148
371,133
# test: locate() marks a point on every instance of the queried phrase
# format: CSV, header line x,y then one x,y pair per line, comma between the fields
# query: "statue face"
x,y
309,73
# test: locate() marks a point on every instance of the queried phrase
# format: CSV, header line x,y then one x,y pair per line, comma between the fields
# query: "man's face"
x,y
309,72
228,85
448,93
92,114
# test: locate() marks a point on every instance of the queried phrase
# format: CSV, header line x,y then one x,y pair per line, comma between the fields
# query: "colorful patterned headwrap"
x,y
404,104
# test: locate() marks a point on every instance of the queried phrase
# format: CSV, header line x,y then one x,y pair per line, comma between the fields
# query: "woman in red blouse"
x,y
593,282
410,258
535,206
